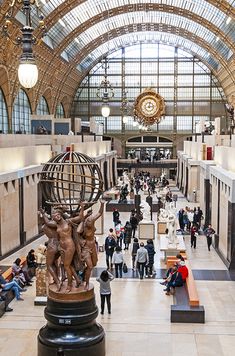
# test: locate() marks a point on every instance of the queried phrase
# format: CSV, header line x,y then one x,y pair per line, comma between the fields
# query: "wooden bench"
x,y
191,288
187,308
171,260
8,273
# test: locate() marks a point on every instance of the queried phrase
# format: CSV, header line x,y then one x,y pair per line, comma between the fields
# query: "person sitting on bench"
x,y
20,274
183,269
5,286
175,280
168,272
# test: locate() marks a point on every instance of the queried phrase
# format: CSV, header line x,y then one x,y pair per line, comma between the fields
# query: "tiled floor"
x,y
140,321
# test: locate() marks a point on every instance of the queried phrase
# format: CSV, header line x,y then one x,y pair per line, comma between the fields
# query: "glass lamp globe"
x,y
125,119
27,74
105,110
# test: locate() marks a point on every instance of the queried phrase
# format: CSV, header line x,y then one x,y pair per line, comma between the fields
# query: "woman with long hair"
x,y
105,290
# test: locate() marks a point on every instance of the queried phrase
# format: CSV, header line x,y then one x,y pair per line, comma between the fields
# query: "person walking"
x,y
142,259
209,232
116,216
151,252
135,248
105,290
134,223
109,247
194,234
127,235
119,231
117,260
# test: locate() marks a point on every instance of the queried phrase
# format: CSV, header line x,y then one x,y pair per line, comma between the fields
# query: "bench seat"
x,y
187,308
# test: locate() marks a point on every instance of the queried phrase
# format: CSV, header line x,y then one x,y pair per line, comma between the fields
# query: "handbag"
x,y
124,268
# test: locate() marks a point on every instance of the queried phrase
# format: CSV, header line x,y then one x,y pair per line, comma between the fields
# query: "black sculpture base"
x,y
71,329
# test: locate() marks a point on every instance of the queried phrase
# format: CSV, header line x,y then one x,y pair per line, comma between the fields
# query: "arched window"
x,y
3,114
21,113
59,111
42,108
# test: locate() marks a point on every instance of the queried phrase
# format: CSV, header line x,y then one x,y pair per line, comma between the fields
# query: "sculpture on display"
x,y
145,211
87,245
126,180
71,184
169,218
163,215
171,227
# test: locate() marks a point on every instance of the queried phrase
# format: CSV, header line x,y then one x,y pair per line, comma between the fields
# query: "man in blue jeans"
x,y
5,286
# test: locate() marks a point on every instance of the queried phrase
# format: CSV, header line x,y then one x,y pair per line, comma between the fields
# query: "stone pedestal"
x,y
41,281
170,249
41,285
146,230
71,326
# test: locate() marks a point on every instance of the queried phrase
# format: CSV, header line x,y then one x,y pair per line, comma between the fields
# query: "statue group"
x,y
71,249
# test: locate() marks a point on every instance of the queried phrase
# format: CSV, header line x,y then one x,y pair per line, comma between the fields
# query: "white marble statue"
x,y
119,182
146,211
126,179
163,215
171,226
171,208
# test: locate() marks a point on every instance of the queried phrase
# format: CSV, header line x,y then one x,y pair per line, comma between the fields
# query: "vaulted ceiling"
x,y
81,32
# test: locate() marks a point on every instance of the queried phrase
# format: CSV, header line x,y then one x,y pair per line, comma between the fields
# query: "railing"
x,y
133,163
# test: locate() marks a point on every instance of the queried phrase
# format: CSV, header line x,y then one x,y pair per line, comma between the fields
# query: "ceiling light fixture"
x,y
27,70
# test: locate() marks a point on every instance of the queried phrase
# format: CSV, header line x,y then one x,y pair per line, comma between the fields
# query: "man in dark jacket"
x,y
110,245
134,223
116,216
175,280
151,252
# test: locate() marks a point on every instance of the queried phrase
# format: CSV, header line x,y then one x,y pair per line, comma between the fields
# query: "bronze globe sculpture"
x,y
71,182
70,178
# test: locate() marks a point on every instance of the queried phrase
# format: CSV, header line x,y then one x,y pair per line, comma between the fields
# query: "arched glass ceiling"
x,y
148,37
146,17
91,8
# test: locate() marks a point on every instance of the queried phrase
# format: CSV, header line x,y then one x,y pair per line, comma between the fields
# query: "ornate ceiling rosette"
x,y
149,107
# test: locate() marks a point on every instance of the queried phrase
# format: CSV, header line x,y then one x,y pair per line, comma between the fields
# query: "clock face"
x,y
149,107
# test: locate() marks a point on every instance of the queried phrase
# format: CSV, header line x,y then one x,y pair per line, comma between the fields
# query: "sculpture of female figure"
x,y
52,249
66,243
172,229
86,233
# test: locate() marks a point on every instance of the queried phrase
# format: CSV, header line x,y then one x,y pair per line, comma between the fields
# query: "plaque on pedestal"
x,y
161,227
41,285
146,230
71,328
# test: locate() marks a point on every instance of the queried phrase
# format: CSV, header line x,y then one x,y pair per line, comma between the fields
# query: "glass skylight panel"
x,y
64,55
168,19
185,44
91,8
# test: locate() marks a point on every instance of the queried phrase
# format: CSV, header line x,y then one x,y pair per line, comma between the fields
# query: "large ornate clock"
x,y
149,106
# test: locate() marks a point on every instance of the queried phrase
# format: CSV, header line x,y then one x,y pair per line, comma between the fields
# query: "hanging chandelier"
x,y
105,91
125,108
27,70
